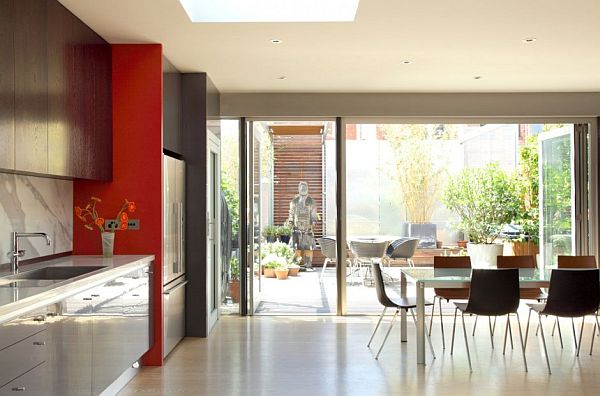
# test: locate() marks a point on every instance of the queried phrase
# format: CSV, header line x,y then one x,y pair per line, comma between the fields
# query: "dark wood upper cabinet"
x,y
55,93
31,86
79,91
7,85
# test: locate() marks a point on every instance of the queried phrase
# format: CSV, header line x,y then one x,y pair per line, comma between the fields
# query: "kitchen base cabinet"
x,y
81,344
31,383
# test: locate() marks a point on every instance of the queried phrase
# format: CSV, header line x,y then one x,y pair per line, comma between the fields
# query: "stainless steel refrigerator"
x,y
174,279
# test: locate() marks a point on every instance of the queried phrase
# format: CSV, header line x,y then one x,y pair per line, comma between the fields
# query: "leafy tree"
x,y
421,179
228,186
485,199
527,179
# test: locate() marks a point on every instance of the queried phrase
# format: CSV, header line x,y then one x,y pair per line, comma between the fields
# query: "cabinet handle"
x,y
51,314
87,298
39,319
39,343
148,272
95,295
18,389
135,295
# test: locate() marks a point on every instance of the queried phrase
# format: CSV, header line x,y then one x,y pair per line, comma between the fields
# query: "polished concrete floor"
x,y
328,356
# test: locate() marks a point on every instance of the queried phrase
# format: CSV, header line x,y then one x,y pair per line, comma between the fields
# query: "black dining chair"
x,y
573,293
494,292
443,263
406,303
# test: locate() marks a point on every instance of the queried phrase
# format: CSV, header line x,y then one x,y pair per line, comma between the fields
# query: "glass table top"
x,y
461,275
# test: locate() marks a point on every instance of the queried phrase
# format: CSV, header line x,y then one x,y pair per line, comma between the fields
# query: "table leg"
x,y
403,337
420,323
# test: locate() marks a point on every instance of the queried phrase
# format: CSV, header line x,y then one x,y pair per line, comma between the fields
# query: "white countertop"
x,y
17,301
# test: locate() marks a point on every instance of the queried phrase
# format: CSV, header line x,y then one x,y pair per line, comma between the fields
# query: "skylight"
x,y
270,10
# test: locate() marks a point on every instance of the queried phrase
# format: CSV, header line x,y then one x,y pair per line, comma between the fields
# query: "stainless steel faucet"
x,y
15,253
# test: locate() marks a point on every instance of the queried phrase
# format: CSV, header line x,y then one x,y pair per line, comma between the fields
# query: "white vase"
x,y
108,243
484,255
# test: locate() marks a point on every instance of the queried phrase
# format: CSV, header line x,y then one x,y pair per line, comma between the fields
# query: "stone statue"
x,y
303,215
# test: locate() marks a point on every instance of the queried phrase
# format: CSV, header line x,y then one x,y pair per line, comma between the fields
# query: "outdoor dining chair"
x,y
328,249
406,303
366,253
402,248
494,292
572,293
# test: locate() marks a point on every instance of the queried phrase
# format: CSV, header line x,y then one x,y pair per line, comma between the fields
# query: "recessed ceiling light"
x,y
529,40
276,41
478,77
282,77
406,62
270,10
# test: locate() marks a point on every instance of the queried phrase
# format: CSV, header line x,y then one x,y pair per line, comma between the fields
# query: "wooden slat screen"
x,y
297,157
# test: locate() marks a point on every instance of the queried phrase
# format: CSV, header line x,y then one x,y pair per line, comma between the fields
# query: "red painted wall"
x,y
137,168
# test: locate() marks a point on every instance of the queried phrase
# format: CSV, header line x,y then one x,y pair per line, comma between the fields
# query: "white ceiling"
x,y
448,42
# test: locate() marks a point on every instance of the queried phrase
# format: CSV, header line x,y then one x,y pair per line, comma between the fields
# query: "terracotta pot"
x,y
269,272
234,290
462,244
294,271
282,273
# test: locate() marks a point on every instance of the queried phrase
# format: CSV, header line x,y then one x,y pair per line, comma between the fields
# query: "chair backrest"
x,y
577,262
328,247
494,291
573,292
382,296
516,262
451,262
369,249
402,248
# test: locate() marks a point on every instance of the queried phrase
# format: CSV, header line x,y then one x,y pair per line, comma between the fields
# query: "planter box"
x,y
521,248
426,232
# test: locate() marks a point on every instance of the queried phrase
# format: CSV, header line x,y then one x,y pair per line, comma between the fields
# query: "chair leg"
x,y
522,343
557,324
596,325
387,334
466,341
574,335
494,327
506,333
442,325
432,314
412,312
491,331
527,328
580,335
475,325
323,269
453,331
410,261
510,337
554,326
376,326
544,343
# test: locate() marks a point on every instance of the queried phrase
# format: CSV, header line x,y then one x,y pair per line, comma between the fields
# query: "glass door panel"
x,y
557,186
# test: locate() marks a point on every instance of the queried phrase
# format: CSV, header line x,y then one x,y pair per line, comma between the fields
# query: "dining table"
x,y
428,277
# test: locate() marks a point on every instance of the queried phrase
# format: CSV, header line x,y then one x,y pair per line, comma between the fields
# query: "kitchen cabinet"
x,y
69,363
31,383
22,347
81,344
31,86
7,86
55,93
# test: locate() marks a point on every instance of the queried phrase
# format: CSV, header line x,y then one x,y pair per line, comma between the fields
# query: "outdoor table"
x,y
428,277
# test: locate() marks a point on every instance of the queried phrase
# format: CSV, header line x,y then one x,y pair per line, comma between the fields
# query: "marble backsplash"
x,y
36,204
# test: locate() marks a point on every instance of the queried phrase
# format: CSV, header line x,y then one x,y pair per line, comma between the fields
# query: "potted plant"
x,y
272,262
294,268
485,199
282,273
284,233
528,189
234,279
270,233
421,178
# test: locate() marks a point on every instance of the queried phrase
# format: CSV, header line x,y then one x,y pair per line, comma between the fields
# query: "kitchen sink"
x,y
55,273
